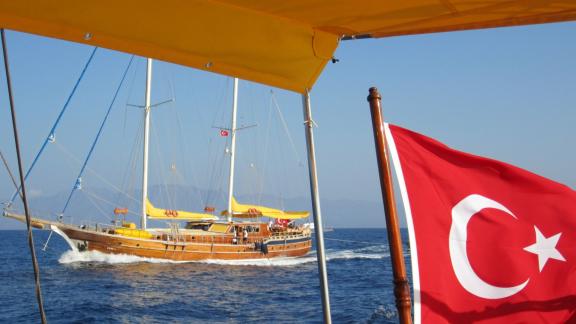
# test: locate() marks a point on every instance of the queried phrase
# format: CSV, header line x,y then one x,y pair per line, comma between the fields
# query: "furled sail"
x,y
158,213
250,211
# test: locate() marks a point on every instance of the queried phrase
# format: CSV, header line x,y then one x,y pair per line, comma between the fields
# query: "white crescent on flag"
x,y
461,215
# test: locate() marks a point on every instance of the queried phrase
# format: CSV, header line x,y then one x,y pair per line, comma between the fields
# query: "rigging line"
x,y
162,189
265,154
78,179
213,177
187,151
92,171
128,179
133,184
9,171
93,195
215,167
285,127
132,80
51,136
22,183
89,195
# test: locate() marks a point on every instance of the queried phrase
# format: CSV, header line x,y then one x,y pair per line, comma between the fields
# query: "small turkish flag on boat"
x,y
490,242
223,132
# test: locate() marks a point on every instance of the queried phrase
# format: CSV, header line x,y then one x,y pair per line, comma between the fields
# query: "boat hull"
x,y
186,251
190,247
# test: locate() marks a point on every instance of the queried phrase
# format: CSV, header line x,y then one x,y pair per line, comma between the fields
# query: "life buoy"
x,y
120,211
171,213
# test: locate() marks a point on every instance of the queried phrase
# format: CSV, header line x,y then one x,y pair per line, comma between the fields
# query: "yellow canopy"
x,y
280,43
158,213
251,211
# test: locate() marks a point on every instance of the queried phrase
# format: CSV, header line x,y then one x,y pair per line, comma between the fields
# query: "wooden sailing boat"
x,y
204,236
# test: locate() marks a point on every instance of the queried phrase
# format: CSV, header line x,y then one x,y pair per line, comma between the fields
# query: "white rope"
x,y
72,156
96,206
265,155
186,150
93,195
130,178
285,127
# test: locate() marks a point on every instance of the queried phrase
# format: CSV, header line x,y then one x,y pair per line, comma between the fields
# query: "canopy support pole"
x,y
22,184
401,287
146,140
315,195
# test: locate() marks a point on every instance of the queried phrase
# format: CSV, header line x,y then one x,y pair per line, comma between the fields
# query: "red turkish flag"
x,y
223,132
489,242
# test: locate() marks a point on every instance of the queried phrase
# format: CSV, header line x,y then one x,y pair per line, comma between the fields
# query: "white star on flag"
x,y
545,248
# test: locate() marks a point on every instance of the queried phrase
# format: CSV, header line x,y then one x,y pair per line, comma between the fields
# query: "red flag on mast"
x,y
490,242
223,132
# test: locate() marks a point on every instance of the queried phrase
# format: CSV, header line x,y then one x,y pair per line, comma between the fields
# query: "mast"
x,y
232,149
146,140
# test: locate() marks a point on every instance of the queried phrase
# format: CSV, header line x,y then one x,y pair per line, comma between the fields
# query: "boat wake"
x,y
371,252
70,257
276,262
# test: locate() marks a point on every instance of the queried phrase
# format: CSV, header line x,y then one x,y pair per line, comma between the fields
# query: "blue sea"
x,y
96,288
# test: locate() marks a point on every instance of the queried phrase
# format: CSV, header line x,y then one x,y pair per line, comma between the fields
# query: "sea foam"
x,y
373,252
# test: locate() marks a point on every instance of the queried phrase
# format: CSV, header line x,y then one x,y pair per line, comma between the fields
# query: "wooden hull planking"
x,y
184,251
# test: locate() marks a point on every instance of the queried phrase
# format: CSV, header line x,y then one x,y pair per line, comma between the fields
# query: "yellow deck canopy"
x,y
158,213
251,211
280,43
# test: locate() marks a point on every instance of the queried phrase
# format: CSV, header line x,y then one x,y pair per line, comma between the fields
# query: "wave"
x,y
354,254
386,312
377,252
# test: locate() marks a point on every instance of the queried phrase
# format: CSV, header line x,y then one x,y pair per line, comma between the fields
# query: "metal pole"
x,y
22,184
401,288
146,140
232,149
315,195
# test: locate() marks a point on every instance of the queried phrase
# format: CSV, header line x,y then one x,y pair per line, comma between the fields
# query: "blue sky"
x,y
508,94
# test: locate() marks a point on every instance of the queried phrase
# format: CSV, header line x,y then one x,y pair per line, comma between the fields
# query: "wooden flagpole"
x,y
401,288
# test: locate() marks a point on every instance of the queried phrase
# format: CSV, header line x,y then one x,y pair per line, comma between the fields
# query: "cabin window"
x,y
253,229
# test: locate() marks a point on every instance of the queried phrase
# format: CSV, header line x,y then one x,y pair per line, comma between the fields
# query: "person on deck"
x,y
245,235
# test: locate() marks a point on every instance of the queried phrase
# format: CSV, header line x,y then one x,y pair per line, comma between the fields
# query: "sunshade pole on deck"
x,y
318,230
22,184
401,288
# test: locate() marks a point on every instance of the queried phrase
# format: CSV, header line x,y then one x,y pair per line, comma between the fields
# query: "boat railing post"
x,y
401,287
315,196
